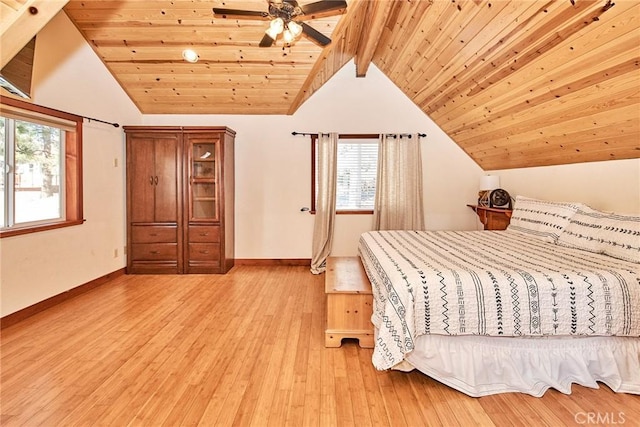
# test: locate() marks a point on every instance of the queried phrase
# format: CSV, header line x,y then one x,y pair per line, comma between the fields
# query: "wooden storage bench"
x,y
349,302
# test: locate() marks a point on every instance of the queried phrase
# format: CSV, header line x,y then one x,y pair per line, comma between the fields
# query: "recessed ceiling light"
x,y
190,55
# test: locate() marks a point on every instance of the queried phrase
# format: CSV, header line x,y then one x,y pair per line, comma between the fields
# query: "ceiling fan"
x,y
286,18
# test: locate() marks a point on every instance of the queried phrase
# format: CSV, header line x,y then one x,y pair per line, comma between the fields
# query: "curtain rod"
x,y
356,135
115,125
18,103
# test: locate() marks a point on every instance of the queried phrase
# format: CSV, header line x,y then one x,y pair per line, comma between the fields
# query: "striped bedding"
x,y
492,283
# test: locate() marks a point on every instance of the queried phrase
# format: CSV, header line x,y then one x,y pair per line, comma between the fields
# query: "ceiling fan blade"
x,y
266,41
239,14
323,6
314,34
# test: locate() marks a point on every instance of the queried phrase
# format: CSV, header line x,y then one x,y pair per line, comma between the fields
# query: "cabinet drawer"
x,y
204,252
154,251
204,233
154,234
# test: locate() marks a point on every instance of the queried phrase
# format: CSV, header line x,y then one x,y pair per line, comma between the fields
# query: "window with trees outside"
x,y
40,157
356,173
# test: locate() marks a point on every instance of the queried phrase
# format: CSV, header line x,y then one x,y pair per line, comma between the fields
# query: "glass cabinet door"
x,y
204,181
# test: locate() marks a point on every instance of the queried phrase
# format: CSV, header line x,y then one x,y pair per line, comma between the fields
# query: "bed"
x,y
551,301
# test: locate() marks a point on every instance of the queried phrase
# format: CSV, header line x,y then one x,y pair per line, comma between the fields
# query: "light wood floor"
x,y
244,348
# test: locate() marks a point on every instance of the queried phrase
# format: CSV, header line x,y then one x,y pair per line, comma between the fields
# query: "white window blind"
x,y
356,174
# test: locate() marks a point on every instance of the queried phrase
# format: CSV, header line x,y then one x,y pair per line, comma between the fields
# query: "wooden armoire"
x,y
180,199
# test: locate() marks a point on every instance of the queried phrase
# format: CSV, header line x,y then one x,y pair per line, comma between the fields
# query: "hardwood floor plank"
x,y
220,386
289,339
429,414
245,348
377,409
359,401
265,344
238,370
442,399
217,327
501,412
267,404
295,410
408,400
255,377
327,390
390,399
344,402
537,411
312,393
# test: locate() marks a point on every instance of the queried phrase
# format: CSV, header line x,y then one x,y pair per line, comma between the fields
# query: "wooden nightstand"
x,y
492,218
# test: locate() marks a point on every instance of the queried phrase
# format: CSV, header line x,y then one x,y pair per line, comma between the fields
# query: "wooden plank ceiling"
x,y
522,83
514,83
141,42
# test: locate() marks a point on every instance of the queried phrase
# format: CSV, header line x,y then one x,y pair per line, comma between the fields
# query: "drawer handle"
x,y
155,252
204,252
204,234
153,234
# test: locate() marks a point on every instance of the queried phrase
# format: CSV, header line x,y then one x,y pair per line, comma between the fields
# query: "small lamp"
x,y
487,184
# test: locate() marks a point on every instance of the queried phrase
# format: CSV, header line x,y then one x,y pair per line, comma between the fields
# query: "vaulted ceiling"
x,y
514,83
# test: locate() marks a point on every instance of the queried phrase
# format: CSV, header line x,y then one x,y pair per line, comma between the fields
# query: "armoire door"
x,y
166,180
141,173
153,175
203,163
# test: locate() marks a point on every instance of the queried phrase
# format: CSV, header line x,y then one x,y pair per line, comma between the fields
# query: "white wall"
x,y
273,168
610,186
69,76
272,171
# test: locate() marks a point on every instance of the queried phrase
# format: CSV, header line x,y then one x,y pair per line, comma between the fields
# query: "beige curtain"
x,y
326,201
398,202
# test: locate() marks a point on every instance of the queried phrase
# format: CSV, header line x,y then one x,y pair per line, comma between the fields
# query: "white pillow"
x,y
616,235
542,219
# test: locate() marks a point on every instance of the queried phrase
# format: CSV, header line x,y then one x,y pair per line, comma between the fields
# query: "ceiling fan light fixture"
x,y
282,15
190,55
288,36
277,25
271,33
295,28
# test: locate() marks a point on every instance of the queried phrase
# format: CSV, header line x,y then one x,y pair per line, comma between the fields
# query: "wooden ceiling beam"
x,y
19,26
377,13
342,48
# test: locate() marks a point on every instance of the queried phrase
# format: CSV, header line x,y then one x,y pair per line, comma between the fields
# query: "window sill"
x,y
17,231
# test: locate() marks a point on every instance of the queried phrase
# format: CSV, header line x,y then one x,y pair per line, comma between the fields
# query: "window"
x,y
356,173
40,160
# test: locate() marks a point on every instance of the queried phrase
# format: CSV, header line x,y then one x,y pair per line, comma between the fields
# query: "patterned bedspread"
x,y
492,283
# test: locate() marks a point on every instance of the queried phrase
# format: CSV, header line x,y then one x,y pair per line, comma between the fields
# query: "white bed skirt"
x,y
480,366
